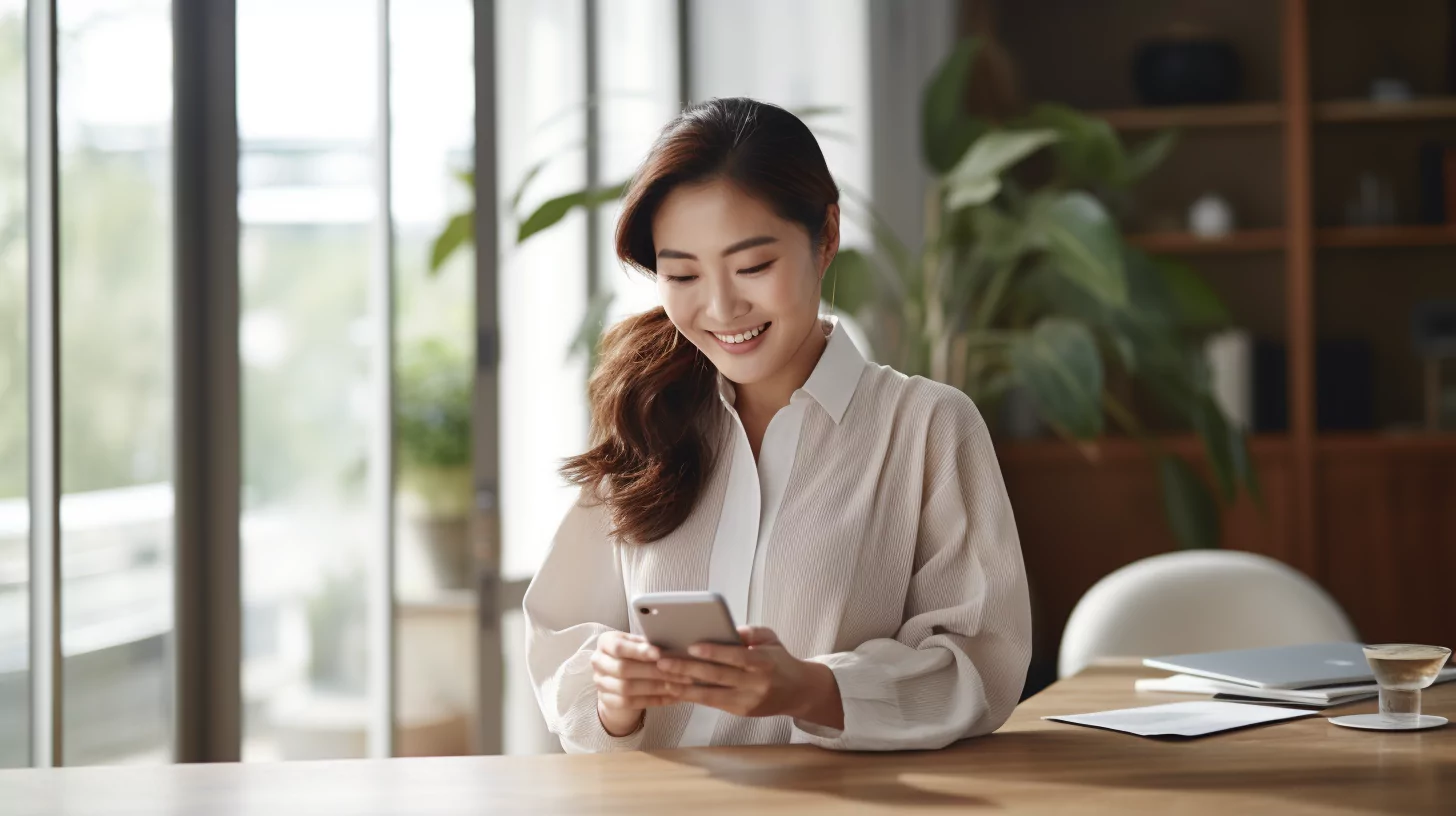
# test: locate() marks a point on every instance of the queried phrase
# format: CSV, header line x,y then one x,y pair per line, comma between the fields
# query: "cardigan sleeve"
x,y
576,596
956,667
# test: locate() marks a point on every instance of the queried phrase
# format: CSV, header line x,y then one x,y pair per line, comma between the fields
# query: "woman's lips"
x,y
744,347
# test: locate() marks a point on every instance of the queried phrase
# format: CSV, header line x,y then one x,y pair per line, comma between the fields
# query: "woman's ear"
x,y
829,245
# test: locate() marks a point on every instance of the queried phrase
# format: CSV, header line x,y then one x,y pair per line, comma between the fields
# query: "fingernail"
x,y
697,651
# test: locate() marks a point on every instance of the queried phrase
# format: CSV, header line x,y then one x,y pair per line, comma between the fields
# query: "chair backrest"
x,y
1198,601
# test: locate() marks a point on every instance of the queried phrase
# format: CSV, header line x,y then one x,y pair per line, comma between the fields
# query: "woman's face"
x,y
736,279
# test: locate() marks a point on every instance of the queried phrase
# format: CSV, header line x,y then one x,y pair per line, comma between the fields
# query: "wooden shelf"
x,y
1365,110
1373,442
1396,236
1121,448
1186,243
1193,116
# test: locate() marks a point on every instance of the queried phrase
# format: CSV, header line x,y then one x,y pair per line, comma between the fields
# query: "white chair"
x,y
1198,601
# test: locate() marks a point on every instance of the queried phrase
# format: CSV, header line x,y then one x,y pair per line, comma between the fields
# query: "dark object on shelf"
x,y
1433,331
1433,183
1271,387
1344,385
1186,71
1433,328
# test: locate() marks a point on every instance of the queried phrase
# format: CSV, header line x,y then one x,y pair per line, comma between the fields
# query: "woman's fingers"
x,y
736,656
637,688
605,664
628,647
699,670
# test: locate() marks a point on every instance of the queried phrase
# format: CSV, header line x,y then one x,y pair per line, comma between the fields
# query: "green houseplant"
x,y
432,425
1022,283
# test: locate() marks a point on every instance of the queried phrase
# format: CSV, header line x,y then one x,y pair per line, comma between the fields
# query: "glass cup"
x,y
1402,670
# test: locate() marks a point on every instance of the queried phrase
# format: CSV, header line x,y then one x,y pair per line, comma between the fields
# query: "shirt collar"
x,y
834,379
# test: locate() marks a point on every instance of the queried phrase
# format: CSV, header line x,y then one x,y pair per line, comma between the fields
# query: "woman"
x,y
853,517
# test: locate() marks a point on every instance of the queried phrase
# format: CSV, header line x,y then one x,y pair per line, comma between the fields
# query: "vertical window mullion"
x,y
45,428
381,458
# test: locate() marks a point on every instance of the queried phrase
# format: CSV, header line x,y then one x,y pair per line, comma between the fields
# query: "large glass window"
x,y
115,134
432,100
14,425
307,111
637,85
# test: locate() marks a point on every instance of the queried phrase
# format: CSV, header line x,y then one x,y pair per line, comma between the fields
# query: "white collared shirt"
x,y
873,535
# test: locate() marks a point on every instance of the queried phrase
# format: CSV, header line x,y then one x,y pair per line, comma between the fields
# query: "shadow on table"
x,y
984,772
818,772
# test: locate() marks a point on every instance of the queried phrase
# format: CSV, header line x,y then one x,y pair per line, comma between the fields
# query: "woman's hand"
x,y
629,682
759,679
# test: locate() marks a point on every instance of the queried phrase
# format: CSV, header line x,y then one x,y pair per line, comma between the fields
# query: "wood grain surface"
x,y
1029,766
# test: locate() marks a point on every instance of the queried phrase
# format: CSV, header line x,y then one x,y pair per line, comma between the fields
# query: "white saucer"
x,y
1375,722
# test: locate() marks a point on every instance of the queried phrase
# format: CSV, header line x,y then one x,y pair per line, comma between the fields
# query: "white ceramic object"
x,y
1211,216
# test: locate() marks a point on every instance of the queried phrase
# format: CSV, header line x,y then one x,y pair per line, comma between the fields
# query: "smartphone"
x,y
673,621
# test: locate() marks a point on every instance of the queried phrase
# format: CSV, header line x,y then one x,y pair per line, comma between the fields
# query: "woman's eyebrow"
x,y
746,243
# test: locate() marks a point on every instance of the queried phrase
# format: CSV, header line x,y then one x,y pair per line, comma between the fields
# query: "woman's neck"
x,y
763,399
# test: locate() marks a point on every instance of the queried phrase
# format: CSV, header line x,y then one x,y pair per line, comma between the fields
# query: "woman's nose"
x,y
725,305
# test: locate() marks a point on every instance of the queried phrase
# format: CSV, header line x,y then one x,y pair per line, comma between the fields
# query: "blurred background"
x,y
298,300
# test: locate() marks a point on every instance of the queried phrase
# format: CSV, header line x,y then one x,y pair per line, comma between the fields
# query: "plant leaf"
x,y
1089,152
1194,302
1084,241
1191,511
459,231
851,283
552,211
589,331
1244,466
946,130
1213,428
975,179
811,111
1057,361
972,193
1144,157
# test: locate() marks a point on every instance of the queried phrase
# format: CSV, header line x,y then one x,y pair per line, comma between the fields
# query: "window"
x,y
307,202
115,135
14,392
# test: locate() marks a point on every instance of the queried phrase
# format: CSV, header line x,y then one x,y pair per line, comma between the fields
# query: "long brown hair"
x,y
650,395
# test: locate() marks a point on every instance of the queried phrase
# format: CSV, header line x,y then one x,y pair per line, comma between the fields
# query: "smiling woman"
x,y
853,517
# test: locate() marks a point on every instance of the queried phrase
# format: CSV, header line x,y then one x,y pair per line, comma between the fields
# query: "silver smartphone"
x,y
673,621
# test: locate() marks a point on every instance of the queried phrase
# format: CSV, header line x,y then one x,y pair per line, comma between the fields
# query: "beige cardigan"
x,y
873,535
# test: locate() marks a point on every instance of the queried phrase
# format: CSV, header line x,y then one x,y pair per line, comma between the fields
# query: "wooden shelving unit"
x,y
1396,236
1194,116
1122,449
1365,110
1185,243
1346,508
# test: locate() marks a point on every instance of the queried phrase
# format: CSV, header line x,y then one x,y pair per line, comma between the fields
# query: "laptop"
x,y
1306,665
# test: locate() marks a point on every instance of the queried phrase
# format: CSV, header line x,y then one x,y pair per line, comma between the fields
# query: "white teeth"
x,y
739,338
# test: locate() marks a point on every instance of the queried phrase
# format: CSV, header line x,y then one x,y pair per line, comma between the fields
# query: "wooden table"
x,y
1030,766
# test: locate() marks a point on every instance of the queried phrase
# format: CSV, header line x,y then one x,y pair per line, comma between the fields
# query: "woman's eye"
x,y
753,269
680,278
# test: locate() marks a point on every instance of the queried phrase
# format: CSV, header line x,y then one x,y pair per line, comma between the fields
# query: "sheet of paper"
x,y
1193,719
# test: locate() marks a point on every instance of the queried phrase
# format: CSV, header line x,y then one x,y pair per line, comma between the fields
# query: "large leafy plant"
x,y
1022,280
1031,286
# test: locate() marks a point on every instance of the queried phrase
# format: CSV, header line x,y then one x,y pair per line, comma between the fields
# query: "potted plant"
x,y
1023,286
432,425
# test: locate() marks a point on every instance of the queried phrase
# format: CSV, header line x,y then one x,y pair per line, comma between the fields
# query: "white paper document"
x,y
1193,719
